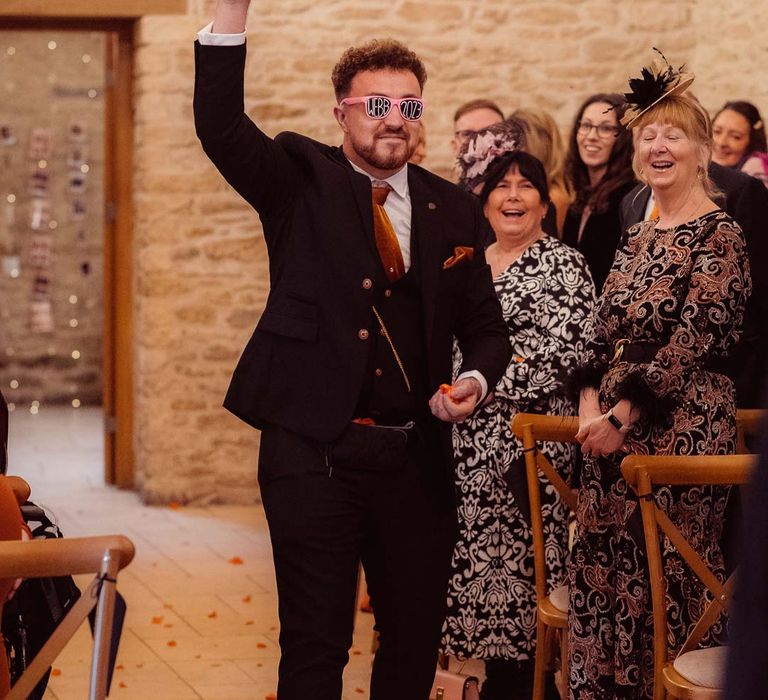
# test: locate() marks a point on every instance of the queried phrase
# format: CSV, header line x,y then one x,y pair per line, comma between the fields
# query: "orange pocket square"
x,y
460,253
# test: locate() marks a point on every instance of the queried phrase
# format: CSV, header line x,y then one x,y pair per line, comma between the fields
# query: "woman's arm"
x,y
563,306
710,321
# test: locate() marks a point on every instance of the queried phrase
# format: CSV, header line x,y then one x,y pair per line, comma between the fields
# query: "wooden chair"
x,y
551,606
749,423
43,558
695,674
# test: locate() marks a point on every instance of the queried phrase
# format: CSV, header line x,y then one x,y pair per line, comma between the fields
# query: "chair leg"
x,y
540,661
564,664
102,632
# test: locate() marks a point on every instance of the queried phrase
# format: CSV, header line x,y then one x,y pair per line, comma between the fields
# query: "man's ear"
x,y
341,117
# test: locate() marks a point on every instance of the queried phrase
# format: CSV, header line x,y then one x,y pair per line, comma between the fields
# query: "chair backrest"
x,y
531,428
643,473
749,423
3,434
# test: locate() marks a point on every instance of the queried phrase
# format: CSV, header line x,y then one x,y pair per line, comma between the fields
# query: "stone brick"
x,y
200,252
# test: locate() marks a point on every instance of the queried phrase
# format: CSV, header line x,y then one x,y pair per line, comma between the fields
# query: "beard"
x,y
385,156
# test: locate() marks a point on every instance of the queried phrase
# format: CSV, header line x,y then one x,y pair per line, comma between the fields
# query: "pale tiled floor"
x,y
197,626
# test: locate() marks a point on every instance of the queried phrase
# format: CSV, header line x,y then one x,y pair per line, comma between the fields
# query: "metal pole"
x,y
102,630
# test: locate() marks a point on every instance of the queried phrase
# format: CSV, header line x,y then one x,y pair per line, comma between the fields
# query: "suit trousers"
x,y
374,496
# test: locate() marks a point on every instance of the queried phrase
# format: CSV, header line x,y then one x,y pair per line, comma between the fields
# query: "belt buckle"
x,y
618,349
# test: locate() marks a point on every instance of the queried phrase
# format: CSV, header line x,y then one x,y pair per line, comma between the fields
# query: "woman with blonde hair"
x,y
651,382
543,141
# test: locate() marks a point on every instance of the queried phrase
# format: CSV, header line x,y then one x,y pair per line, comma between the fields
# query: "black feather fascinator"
x,y
657,81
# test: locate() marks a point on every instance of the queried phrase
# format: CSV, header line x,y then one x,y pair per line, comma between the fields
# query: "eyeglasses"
x,y
464,135
604,131
378,106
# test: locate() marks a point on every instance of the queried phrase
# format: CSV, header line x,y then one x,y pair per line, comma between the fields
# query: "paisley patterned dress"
x,y
547,297
683,289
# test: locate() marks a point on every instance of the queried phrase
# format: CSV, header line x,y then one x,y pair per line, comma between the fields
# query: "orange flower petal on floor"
x,y
56,672
249,622
123,685
119,667
236,560
158,620
261,645
167,625
171,643
174,505
359,690
247,599
270,696
213,614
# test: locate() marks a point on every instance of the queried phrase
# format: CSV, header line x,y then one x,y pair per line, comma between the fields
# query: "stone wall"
x,y
201,273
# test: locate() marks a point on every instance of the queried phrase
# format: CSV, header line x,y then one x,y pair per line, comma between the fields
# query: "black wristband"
x,y
615,422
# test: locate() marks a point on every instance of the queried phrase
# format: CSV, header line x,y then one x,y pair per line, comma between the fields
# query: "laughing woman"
x,y
546,295
651,382
599,165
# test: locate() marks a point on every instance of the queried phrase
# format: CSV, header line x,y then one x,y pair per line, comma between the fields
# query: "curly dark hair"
x,y
378,54
619,173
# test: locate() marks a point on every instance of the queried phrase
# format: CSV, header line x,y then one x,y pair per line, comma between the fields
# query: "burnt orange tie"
x,y
654,212
386,238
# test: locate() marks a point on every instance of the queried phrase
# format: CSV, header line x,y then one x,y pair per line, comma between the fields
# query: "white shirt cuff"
x,y
480,378
207,38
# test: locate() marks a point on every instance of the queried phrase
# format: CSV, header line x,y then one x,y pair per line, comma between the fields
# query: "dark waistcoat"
x,y
385,397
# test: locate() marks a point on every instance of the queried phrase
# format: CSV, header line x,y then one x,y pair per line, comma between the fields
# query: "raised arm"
x,y
256,166
229,17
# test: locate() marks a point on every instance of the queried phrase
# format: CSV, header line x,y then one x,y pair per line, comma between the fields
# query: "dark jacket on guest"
x,y
600,237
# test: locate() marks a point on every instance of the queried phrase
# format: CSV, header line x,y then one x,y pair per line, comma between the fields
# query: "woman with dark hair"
x,y
546,296
739,139
543,140
599,165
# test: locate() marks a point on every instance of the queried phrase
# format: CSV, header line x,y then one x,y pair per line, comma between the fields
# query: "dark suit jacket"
x,y
601,236
746,200
303,367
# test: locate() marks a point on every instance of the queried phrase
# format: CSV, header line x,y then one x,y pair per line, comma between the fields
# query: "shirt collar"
x,y
398,182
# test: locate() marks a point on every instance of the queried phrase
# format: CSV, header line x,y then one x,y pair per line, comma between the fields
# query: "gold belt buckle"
x,y
618,349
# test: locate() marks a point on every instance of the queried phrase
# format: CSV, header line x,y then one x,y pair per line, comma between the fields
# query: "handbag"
x,y
454,686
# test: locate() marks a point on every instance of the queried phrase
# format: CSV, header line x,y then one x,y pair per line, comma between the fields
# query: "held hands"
x,y
598,437
453,403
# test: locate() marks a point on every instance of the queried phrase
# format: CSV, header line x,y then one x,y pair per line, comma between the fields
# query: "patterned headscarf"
x,y
480,151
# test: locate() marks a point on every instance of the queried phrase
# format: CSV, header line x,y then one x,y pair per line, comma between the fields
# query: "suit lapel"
x,y
639,205
426,230
361,188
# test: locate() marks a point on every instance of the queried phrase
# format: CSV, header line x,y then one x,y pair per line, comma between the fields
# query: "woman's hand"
x,y
589,411
601,438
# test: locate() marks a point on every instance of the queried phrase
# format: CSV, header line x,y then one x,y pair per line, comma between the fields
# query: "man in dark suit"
x,y
746,200
747,672
375,266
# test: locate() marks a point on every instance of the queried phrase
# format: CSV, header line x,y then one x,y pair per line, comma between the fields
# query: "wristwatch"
x,y
616,423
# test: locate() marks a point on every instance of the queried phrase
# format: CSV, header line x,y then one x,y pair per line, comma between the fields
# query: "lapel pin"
x,y
432,205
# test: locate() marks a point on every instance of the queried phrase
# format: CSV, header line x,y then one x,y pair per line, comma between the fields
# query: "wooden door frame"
x,y
117,18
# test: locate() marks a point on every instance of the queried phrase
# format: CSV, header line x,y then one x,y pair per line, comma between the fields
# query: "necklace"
x,y
685,211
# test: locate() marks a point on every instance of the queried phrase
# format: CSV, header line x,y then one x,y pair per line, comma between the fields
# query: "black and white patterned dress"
x,y
547,297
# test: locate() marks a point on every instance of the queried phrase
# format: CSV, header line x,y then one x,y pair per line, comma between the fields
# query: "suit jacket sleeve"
x,y
256,166
749,207
480,330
